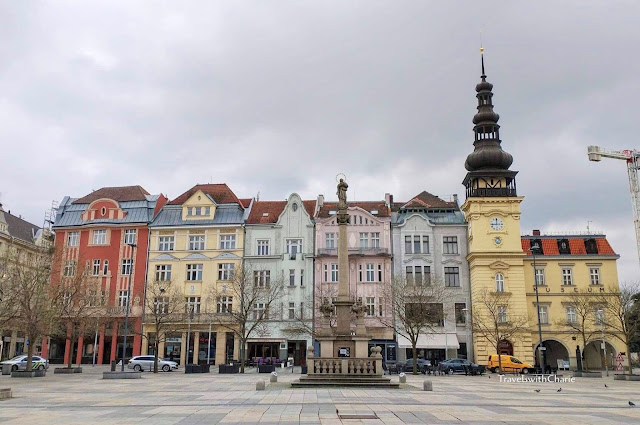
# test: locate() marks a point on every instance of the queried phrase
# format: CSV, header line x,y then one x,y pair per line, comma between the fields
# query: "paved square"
x,y
176,398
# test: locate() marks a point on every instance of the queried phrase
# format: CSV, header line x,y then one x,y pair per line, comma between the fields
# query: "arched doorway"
x,y
555,350
505,347
593,355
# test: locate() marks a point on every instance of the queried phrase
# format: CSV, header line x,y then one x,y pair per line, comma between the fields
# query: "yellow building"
x,y
571,271
196,241
492,210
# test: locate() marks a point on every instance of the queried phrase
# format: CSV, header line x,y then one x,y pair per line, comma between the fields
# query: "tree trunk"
x,y
415,355
628,357
242,354
29,353
155,357
71,341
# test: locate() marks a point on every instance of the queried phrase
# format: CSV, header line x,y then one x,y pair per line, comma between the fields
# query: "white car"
x,y
20,363
140,363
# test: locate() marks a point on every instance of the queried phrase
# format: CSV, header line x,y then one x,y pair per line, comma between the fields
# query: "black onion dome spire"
x,y
487,155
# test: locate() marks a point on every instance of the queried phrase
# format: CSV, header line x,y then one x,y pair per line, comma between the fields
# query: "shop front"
x,y
434,347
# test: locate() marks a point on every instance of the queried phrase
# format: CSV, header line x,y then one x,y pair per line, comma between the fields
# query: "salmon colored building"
x,y
107,233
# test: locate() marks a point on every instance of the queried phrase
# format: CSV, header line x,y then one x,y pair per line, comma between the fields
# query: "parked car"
x,y
424,366
509,364
140,363
20,363
460,365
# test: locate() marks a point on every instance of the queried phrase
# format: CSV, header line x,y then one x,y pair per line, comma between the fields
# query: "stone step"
x,y
303,379
332,383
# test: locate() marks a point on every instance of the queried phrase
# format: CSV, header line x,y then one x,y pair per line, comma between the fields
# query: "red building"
x,y
107,233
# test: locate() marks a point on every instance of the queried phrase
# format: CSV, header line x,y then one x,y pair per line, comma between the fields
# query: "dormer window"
x,y
374,212
198,211
265,214
103,211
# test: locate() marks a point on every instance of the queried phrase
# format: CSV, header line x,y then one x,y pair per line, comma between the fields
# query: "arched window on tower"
x,y
499,282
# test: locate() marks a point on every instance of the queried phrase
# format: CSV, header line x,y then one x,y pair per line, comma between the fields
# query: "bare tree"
x,y
245,305
164,310
583,325
28,303
494,319
417,309
621,314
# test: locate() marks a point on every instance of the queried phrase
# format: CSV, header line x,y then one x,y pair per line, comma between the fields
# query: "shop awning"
x,y
433,341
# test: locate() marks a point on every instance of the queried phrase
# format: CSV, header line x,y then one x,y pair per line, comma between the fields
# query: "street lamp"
x,y
541,349
126,308
191,311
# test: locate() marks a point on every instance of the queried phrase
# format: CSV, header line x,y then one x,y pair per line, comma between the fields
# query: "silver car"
x,y
140,363
20,363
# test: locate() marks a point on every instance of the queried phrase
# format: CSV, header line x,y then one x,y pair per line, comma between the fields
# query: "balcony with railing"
x,y
368,251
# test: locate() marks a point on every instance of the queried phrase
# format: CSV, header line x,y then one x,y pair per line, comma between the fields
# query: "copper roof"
x,y
380,206
118,194
220,193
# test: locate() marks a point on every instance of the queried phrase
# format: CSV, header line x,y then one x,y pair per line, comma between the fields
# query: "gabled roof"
x,y
220,193
269,211
380,206
117,193
426,200
19,228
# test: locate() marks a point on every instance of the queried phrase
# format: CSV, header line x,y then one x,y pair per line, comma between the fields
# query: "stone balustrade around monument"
x,y
366,366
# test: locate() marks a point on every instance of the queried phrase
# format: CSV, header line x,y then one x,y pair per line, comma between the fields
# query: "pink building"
x,y
369,233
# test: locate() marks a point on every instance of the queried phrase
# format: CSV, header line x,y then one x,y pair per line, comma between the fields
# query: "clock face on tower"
x,y
496,224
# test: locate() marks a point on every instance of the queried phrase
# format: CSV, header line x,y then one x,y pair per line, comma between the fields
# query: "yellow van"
x,y
509,364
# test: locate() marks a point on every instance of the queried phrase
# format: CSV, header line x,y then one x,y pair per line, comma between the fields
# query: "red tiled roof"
x,y
245,202
550,247
219,192
273,209
526,244
118,194
427,200
604,247
576,246
383,210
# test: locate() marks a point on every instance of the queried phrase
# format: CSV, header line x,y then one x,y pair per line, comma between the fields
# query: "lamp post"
x,y
126,312
535,281
604,344
191,310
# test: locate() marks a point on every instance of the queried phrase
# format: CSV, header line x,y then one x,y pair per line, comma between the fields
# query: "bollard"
x,y
113,366
260,385
403,378
428,386
273,377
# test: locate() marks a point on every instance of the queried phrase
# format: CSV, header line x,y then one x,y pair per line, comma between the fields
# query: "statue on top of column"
x,y
342,195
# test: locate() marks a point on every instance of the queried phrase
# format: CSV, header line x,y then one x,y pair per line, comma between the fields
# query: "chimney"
x,y
388,199
320,201
455,198
536,232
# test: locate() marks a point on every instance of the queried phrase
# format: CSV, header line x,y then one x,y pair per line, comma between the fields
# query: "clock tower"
x,y
492,210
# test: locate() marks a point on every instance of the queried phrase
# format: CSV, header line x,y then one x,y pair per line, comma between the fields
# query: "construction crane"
x,y
632,157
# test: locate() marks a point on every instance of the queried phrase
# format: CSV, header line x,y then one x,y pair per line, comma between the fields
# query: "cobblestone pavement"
x,y
176,398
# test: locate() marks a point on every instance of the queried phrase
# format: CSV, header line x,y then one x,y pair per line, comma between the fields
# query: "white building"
x,y
279,245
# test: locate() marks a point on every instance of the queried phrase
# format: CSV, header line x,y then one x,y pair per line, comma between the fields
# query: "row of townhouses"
x,y
128,238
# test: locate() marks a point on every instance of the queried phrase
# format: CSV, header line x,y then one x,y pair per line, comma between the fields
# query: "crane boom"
x,y
632,158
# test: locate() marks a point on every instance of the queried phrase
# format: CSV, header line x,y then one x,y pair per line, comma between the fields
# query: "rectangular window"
x,y
69,268
425,244
301,310
380,277
262,278
227,241
225,271
122,298
370,306
364,240
380,310
292,277
418,275
409,275
540,277
73,238
416,244
301,277
330,240
461,313
127,266
260,312
105,267
96,267
360,276
263,247
161,305
163,272
375,240
407,245
572,317
502,314
427,275
130,236
292,311
371,274
544,314
594,275
294,246
451,276
450,244
192,304
598,316
567,278
194,272
334,272
196,242
100,237
326,273
165,243
224,304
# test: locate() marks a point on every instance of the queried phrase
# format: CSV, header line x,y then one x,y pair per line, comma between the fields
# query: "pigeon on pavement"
x,y
559,389
606,386
631,403
537,391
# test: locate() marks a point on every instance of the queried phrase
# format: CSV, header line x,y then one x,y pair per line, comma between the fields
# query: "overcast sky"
x,y
278,97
